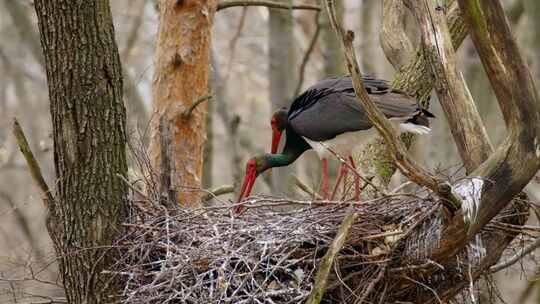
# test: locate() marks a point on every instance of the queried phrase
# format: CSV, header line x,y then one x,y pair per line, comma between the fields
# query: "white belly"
x,y
342,144
345,143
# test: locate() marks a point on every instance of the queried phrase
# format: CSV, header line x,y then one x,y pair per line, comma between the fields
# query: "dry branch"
x,y
398,150
221,190
187,113
270,4
33,166
466,125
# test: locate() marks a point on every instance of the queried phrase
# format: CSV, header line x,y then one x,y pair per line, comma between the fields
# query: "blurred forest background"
x,y
261,59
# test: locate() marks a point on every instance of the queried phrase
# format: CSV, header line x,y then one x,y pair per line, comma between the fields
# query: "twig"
x,y
512,260
302,186
187,113
270,4
426,287
225,189
416,268
307,55
31,162
321,278
371,285
139,192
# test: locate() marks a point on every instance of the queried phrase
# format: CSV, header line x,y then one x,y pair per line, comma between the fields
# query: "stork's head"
x,y
278,122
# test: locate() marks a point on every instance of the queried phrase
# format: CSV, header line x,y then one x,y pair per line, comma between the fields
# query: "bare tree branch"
x,y
307,189
221,190
197,102
466,125
33,165
271,4
517,257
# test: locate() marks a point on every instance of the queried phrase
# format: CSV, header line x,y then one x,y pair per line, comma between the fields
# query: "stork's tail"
x,y
418,124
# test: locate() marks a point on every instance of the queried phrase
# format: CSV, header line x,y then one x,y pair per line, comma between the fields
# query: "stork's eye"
x,y
251,164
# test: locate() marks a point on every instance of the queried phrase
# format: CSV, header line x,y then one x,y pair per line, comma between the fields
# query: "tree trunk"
x,y
85,91
281,74
331,46
180,80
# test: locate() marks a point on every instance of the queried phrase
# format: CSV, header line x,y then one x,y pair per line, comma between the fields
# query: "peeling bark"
x,y
181,77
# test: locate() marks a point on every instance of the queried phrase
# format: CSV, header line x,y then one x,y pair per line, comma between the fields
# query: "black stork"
x,y
328,115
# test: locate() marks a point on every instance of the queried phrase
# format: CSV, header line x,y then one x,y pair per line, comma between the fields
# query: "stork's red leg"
x,y
356,180
325,182
343,169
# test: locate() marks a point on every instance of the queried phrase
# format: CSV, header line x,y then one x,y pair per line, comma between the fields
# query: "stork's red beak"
x,y
276,136
249,181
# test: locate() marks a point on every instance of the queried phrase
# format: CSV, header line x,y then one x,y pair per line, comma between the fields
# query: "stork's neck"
x,y
279,160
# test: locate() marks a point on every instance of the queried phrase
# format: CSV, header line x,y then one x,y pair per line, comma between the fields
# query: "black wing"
x,y
330,108
335,84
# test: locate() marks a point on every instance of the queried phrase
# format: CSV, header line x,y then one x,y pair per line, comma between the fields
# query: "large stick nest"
x,y
270,254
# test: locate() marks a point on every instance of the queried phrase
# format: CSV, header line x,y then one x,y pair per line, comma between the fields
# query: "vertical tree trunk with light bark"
x,y
89,120
180,80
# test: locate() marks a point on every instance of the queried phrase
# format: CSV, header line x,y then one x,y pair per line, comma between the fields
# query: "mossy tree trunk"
x,y
89,120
